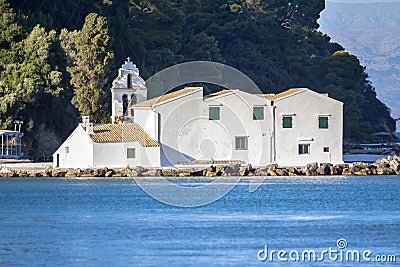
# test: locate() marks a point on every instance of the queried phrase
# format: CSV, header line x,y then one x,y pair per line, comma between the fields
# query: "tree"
x,y
345,79
274,42
88,51
33,89
9,29
207,48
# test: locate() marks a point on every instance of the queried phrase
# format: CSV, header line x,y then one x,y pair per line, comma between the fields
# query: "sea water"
x,y
112,222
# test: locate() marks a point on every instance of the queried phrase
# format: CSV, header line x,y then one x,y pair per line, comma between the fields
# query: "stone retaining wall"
x,y
385,166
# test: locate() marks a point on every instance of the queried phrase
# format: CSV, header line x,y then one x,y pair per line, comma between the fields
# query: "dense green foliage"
x,y
31,82
87,49
54,53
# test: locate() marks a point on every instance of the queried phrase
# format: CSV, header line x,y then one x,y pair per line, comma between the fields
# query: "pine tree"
x,y
88,51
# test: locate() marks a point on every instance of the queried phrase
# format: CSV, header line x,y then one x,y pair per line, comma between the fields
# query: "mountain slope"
x,y
372,32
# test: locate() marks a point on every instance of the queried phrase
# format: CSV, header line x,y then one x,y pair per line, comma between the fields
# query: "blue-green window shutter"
x,y
287,122
323,122
258,113
214,113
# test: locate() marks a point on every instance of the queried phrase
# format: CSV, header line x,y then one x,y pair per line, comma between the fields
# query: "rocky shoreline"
x,y
384,166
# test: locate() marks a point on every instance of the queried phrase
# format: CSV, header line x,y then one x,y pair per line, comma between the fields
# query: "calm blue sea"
x,y
112,222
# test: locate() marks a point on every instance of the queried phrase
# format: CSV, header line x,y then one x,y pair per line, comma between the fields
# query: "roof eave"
x,y
162,102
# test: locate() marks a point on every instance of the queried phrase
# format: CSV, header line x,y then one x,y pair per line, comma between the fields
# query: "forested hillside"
x,y
58,58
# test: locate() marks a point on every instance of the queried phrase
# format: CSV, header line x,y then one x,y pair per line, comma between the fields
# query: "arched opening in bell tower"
x,y
124,104
133,99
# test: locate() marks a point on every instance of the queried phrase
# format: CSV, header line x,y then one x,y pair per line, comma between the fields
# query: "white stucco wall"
x,y
174,116
306,106
114,155
151,157
236,119
148,119
80,150
186,133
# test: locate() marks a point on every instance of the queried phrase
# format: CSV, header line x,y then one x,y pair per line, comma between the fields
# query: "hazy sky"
x,y
362,1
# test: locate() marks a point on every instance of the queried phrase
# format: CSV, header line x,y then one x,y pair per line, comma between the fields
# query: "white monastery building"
x,y
293,128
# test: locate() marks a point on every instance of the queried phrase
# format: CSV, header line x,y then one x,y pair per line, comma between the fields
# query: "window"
x,y
287,121
323,122
67,149
326,149
241,142
213,113
129,81
304,149
131,153
258,113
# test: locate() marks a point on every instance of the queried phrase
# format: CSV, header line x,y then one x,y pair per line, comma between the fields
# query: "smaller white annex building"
x,y
107,145
293,128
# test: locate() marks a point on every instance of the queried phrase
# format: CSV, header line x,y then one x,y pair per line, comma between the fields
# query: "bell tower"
x,y
127,90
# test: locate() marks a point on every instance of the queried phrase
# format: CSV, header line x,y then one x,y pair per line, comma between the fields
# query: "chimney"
x,y
85,121
89,128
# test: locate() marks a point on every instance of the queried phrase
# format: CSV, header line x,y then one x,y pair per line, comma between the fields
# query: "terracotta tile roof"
x,y
166,97
267,96
283,94
115,133
219,93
